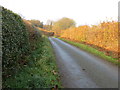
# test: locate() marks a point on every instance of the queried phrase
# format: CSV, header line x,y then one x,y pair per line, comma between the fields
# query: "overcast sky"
x,y
82,11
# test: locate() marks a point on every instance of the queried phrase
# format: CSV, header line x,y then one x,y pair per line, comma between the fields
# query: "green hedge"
x,y
15,41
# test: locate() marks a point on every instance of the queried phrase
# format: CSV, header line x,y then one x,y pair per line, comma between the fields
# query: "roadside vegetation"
x,y
40,71
103,36
28,59
93,51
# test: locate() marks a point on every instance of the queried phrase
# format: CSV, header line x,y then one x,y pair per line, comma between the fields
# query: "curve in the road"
x,y
79,69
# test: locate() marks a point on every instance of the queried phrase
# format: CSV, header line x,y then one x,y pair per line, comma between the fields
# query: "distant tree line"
x,y
36,23
61,24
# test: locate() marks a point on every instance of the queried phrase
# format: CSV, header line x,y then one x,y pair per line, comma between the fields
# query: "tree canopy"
x,y
63,23
37,23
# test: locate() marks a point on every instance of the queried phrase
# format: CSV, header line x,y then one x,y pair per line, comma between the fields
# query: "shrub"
x,y
15,42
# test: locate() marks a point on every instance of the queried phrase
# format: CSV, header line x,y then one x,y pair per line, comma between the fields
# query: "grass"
x,y
93,51
40,71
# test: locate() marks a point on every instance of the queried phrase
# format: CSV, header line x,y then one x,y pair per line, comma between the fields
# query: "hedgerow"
x,y
15,43
28,60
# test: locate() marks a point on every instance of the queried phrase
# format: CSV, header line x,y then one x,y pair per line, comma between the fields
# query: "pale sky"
x,y
84,12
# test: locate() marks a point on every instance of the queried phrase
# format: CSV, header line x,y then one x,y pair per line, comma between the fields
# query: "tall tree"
x,y
63,23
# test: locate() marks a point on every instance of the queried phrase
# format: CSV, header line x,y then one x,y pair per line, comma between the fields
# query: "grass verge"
x,y
40,71
93,51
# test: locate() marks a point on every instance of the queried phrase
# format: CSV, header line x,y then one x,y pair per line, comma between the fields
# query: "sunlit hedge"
x,y
104,36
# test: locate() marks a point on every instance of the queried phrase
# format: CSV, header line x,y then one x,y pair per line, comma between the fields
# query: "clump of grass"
x,y
41,70
93,51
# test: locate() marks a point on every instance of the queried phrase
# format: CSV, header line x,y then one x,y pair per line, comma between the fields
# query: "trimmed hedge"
x,y
15,42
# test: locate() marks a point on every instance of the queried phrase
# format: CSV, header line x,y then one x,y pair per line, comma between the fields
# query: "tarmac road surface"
x,y
79,69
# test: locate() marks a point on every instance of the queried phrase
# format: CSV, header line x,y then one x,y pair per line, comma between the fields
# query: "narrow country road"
x,y
79,69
